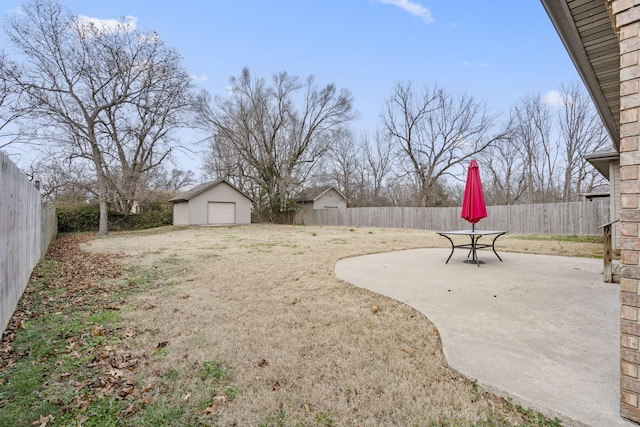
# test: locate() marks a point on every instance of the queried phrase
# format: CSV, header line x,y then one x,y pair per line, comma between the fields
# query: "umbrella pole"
x,y
473,245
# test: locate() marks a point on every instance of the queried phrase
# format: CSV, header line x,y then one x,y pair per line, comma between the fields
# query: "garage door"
x,y
221,213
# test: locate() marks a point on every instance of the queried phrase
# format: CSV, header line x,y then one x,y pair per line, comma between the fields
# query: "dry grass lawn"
x,y
295,345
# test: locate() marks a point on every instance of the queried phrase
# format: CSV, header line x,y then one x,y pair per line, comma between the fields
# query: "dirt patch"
x,y
303,345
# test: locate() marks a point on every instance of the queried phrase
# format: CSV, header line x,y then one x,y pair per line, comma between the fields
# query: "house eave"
x,y
602,80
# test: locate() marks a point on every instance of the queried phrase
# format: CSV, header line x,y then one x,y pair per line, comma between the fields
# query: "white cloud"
x,y
149,38
553,97
413,8
128,25
201,78
18,11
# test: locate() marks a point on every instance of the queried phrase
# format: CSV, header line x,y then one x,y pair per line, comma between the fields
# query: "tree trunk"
x,y
103,197
103,228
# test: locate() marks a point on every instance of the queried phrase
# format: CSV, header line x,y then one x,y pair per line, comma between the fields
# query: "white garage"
x,y
212,203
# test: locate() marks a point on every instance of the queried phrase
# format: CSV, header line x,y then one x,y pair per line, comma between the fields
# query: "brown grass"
x,y
306,348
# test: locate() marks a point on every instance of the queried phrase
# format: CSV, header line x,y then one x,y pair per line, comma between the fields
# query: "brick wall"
x,y
626,14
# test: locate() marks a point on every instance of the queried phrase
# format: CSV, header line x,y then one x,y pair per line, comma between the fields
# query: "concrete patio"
x,y
541,329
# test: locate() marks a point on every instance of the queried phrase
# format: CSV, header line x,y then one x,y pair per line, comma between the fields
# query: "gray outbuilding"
x,y
327,197
212,203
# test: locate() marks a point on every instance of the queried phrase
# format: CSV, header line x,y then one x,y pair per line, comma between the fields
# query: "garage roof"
x,y
183,197
587,31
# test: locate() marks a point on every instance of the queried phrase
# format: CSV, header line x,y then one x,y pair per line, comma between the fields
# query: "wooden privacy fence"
x,y
25,233
572,218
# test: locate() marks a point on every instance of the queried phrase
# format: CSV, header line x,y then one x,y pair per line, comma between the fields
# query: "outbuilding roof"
x,y
198,189
314,193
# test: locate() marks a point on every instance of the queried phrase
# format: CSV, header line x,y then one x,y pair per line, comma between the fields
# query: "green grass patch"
x,y
53,349
215,371
50,347
105,317
560,238
139,280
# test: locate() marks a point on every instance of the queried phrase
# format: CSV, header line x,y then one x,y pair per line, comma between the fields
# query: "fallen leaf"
x,y
262,363
44,420
211,410
115,373
97,331
162,344
187,396
184,296
376,310
128,388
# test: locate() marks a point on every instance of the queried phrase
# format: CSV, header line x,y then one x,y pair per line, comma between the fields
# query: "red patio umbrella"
x,y
473,206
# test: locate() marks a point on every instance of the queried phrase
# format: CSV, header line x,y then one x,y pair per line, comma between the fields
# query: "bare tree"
x,y
110,95
222,161
172,181
435,132
359,167
275,143
582,132
552,151
379,160
531,132
345,167
62,180
504,172
141,129
10,109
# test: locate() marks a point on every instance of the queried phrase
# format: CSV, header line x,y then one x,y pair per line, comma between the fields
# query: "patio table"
x,y
474,235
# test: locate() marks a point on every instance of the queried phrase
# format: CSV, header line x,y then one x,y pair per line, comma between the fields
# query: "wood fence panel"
x,y
572,218
25,234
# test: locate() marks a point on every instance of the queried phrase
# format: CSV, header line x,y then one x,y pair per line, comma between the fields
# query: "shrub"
x,y
86,218
144,220
78,218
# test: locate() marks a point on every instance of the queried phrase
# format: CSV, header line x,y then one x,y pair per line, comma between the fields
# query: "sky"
x,y
497,51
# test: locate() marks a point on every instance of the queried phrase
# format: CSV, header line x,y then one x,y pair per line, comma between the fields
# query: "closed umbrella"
x,y
473,206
